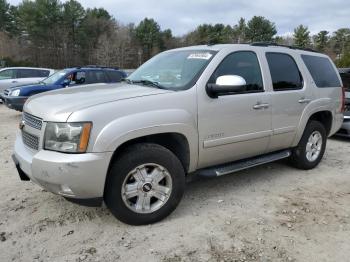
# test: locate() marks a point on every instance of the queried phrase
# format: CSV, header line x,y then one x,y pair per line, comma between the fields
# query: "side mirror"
x,y
226,85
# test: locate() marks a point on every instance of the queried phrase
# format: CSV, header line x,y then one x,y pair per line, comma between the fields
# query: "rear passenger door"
x,y
289,97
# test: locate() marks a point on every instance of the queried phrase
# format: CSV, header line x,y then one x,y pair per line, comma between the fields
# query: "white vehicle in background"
x,y
15,76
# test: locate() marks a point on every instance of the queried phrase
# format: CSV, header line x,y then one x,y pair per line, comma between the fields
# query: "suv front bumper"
x,y
14,102
78,177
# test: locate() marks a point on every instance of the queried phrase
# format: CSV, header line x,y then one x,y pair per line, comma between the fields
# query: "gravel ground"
x,y
269,213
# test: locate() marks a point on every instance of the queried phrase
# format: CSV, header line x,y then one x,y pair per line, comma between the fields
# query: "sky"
x,y
183,16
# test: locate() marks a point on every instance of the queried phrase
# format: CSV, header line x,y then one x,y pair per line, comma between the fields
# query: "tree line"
x,y
51,33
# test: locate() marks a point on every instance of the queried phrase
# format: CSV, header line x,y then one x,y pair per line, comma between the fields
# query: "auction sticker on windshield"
x,y
205,56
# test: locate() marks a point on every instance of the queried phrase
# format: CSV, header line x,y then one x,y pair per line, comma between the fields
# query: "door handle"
x,y
304,101
261,106
14,81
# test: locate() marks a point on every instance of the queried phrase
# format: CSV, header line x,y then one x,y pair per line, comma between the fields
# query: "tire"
x,y
137,172
302,156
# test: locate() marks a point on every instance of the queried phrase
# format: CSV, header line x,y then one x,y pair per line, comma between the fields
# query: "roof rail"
x,y
97,66
286,46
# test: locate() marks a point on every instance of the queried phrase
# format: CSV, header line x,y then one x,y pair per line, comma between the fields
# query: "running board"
x,y
243,164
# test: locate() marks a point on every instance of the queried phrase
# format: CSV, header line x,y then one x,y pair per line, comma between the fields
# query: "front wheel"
x,y
311,147
145,184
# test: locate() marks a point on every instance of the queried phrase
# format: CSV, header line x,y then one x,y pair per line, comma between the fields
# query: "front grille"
x,y
347,108
30,140
6,92
32,121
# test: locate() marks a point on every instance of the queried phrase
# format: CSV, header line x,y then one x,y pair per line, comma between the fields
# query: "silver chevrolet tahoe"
x,y
205,110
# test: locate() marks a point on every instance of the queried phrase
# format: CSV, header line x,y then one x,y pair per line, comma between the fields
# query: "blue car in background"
x,y
15,97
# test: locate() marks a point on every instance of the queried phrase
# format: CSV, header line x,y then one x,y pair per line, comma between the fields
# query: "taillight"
x,y
343,100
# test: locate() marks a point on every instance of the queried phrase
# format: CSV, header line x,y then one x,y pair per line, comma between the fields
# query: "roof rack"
x,y
97,66
286,46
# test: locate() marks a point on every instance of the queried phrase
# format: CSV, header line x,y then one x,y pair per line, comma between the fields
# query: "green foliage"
x,y
210,34
260,29
341,40
73,14
8,18
239,31
302,36
321,40
344,61
149,35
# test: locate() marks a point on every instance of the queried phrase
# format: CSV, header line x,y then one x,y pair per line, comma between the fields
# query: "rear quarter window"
x,y
43,73
114,76
322,71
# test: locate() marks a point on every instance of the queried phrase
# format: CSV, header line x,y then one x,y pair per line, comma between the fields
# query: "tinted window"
x,y
42,73
321,70
26,73
95,77
244,64
114,76
284,72
346,81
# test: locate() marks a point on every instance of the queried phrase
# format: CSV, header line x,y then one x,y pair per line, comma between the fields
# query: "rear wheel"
x,y
145,184
311,147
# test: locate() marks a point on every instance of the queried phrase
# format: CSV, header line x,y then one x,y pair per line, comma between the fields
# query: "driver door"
x,y
237,125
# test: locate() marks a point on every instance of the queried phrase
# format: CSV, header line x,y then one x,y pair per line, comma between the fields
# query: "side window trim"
x,y
296,64
260,70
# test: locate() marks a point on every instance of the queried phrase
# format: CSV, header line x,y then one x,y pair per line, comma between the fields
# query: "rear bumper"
x,y
344,130
78,177
14,102
337,123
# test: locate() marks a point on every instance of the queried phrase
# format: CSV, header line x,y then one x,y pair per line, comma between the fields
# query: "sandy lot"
x,y
269,213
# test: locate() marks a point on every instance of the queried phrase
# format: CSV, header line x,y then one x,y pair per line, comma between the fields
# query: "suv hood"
x,y
28,89
59,104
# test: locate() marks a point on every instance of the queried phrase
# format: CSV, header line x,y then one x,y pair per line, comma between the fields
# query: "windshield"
x,y
55,77
175,70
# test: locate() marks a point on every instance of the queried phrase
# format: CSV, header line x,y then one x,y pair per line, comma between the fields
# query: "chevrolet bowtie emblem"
x,y
21,125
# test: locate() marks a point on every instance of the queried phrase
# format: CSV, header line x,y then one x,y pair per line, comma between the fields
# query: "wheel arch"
x,y
322,115
177,143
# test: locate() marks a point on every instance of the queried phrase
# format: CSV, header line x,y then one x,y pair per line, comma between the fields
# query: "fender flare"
x,y
307,113
130,127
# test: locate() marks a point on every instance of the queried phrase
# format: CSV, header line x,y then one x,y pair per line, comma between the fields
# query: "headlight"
x,y
15,92
67,137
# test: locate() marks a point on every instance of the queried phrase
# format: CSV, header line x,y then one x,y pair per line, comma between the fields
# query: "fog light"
x,y
66,191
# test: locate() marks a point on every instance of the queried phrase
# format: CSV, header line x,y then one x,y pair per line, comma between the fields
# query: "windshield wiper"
x,y
126,80
145,82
